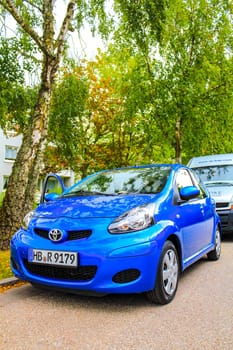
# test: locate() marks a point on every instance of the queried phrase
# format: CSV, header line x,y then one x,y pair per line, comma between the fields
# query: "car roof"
x,y
213,159
171,165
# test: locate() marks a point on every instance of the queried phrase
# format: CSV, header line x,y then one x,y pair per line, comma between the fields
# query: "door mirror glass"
x,y
52,188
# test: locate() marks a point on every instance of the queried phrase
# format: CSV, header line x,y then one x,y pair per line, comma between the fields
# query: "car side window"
x,y
183,179
188,178
198,184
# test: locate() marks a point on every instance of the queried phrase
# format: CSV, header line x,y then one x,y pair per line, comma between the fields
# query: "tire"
x,y
167,276
215,254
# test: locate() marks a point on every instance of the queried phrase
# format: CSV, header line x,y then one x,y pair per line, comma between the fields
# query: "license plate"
x,y
53,257
216,193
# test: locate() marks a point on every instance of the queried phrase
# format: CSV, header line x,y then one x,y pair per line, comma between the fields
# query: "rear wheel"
x,y
167,276
215,254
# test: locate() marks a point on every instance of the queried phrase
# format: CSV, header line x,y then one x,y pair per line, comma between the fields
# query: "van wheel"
x,y
167,276
215,254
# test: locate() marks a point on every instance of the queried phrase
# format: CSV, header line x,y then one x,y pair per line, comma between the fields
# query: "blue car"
x,y
128,230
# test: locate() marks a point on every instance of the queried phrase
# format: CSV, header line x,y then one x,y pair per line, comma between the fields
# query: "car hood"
x,y
221,191
92,206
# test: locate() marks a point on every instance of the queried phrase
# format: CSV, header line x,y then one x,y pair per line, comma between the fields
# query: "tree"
x,y
91,126
99,115
168,105
189,59
35,22
195,80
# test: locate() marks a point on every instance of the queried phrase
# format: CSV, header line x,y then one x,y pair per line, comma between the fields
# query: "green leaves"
x,y
169,63
142,20
10,69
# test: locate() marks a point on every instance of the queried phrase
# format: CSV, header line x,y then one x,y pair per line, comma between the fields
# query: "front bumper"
x,y
226,218
121,266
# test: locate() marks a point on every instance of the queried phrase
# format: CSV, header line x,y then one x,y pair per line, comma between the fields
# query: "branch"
x,y
60,42
33,5
11,8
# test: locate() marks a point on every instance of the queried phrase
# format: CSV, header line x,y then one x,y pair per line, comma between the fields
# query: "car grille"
x,y
72,235
222,205
82,273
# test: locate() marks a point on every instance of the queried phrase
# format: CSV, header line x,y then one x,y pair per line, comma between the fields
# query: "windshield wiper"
x,y
85,193
209,183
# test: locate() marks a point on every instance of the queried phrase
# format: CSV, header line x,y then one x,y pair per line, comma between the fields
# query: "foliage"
x,y
35,27
10,69
95,13
140,106
142,22
16,105
190,75
15,100
42,39
97,117
195,81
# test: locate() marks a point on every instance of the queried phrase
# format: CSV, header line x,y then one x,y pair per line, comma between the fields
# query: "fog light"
x,y
126,276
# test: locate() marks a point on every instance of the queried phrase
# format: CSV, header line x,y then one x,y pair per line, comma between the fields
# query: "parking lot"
x,y
200,316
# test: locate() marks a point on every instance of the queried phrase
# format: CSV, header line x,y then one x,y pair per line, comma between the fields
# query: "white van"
x,y
216,171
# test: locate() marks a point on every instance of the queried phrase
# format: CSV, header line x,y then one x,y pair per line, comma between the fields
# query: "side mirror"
x,y
51,196
52,188
189,192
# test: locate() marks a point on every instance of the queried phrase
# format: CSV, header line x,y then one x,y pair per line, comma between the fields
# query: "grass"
x,y
5,270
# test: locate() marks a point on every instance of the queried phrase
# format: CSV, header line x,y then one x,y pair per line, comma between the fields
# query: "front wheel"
x,y
215,254
167,276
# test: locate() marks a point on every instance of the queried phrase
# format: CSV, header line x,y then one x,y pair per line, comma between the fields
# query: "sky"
x,y
85,46
82,46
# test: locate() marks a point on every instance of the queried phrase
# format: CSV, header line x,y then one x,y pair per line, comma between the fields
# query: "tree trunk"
x,y
178,141
23,180
25,173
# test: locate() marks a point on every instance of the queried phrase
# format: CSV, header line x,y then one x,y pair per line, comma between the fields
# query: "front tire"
x,y
167,276
215,254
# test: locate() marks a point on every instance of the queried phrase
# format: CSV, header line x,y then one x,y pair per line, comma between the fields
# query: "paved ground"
x,y
200,317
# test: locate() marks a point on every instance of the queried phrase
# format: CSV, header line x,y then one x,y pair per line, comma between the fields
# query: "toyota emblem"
x,y
55,235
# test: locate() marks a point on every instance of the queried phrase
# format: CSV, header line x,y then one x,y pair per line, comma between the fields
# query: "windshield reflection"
x,y
145,180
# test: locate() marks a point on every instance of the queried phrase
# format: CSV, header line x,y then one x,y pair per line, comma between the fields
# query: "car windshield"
x,y
123,181
223,173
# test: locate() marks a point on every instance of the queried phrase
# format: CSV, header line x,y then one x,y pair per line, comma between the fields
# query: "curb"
x,y
9,281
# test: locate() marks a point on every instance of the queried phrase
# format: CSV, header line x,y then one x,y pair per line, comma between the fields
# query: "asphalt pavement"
x,y
200,317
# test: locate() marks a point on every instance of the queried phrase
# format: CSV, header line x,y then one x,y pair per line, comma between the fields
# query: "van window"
x,y
215,173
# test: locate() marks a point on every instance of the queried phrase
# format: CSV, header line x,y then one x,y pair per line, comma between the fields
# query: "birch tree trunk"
x,y
23,180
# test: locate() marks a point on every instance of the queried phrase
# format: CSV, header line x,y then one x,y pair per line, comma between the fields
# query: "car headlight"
x,y
133,220
27,219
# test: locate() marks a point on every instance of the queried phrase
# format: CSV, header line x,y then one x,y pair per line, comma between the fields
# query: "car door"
x,y
194,217
208,209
